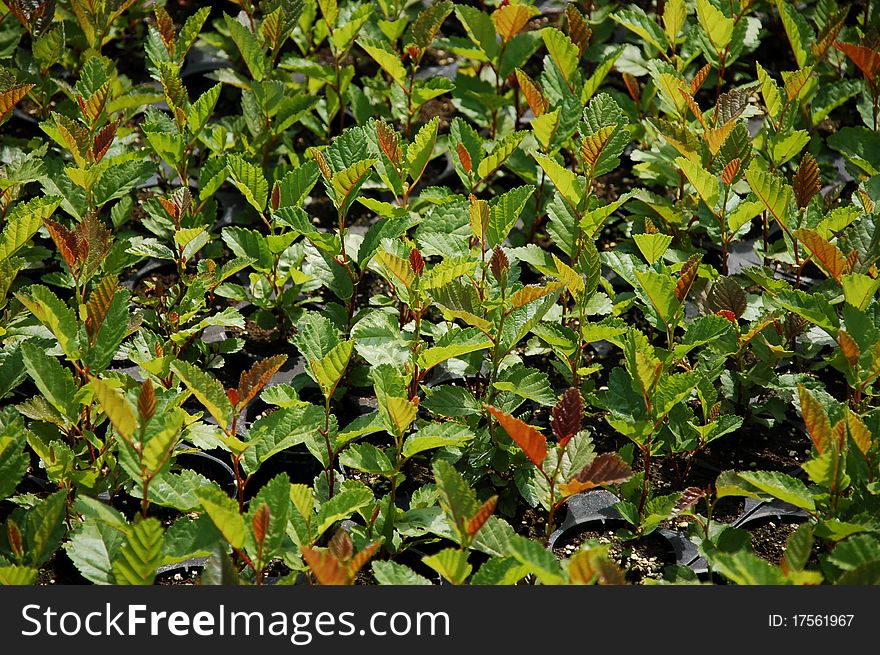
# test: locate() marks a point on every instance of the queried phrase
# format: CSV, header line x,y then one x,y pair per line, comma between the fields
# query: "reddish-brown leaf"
x,y
251,382
605,469
849,347
13,535
357,562
593,145
532,93
699,78
715,411
479,519
859,432
632,86
341,545
826,254
694,107
806,182
866,59
815,419
727,296
388,142
499,264
166,28
275,199
532,292
416,262
323,165
689,498
232,395
565,418
103,140
686,277
730,172
261,523
326,568
464,157
829,33
146,403
729,315
99,304
11,97
532,442
578,29
65,241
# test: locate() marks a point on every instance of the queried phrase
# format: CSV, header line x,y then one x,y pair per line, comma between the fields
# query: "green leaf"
x,y
528,383
342,506
23,222
388,60
249,179
201,109
248,46
295,186
564,180
479,28
140,555
636,20
53,380
392,573
275,495
502,152
207,389
14,459
446,400
456,497
451,563
111,333
540,562
367,458
703,181
859,289
55,315
660,290
419,153
504,212
812,306
718,27
436,435
799,33
116,407
772,192
223,511
44,528
745,568
758,484
328,370
348,181
652,246
14,575
379,340
454,343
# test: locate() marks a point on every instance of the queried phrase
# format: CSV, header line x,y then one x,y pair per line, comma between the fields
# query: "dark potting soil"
x,y
641,558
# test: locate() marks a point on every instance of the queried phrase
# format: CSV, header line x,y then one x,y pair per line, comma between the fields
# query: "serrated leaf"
x,y
562,51
532,442
116,407
718,27
703,181
207,389
772,192
140,555
249,179
652,246
329,369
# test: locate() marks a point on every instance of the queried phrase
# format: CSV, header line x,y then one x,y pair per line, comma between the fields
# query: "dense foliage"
x,y
336,292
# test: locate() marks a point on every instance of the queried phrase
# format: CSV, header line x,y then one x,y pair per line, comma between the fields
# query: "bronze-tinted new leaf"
x,y
727,295
849,348
341,545
166,29
806,182
578,29
866,59
326,568
261,522
532,93
11,97
593,145
688,499
730,172
416,262
479,519
826,254
66,242
103,140
251,382
465,158
532,442
699,78
388,142
566,415
146,403
686,277
605,469
99,304
499,264
816,419
510,19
